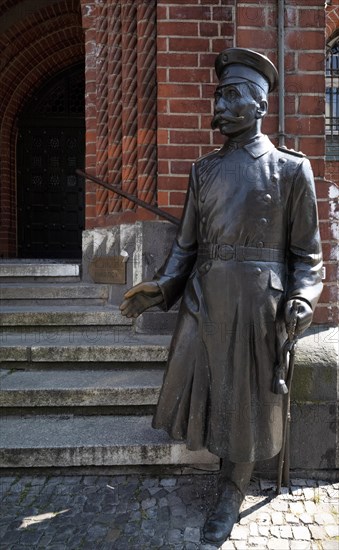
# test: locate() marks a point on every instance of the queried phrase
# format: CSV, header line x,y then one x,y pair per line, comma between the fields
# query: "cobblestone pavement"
x,y
134,512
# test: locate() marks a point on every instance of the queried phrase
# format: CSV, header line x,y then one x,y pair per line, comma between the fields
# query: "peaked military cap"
x,y
236,65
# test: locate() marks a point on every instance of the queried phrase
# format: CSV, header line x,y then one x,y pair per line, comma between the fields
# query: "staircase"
x,y
78,385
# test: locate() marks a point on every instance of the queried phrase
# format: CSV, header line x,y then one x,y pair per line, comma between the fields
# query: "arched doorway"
x,y
50,146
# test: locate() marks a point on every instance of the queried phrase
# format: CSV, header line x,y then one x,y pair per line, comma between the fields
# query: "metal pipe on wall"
x,y
281,70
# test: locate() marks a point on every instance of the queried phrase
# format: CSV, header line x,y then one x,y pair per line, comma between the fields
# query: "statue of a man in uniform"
x,y
248,246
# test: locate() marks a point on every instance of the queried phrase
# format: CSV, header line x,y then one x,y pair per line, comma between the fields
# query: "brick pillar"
x,y
129,99
147,100
120,105
102,105
114,104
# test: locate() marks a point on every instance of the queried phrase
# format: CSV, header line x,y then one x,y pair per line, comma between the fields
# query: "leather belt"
x,y
239,253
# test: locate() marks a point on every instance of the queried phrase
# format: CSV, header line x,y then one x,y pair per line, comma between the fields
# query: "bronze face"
x,y
235,110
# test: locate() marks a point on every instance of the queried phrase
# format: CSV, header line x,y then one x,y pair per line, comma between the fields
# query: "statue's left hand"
x,y
304,315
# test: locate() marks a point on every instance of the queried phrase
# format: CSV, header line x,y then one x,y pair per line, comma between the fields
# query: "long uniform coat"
x,y
217,390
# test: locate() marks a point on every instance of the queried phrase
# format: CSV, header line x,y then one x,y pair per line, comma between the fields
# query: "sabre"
x,y
289,348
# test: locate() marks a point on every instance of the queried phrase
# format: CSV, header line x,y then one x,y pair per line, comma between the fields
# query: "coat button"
x,y
260,244
257,270
264,221
282,160
203,219
267,198
204,240
274,178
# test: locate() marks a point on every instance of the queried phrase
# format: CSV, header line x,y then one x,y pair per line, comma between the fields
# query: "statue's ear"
x,y
262,109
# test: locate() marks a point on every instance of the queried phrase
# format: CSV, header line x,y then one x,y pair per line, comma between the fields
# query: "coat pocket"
x,y
275,281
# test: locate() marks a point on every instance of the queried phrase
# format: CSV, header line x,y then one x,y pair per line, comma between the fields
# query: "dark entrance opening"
x,y
51,145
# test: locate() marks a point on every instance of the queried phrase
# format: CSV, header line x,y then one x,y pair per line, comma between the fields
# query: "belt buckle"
x,y
239,253
225,252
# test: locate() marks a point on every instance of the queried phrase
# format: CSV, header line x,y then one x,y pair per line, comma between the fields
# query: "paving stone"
x,y
301,533
278,544
330,545
279,505
332,530
240,545
300,545
148,503
275,531
324,518
253,529
291,518
171,482
192,534
239,533
263,518
310,507
264,530
257,542
306,518
174,535
228,545
296,491
277,518
297,508
299,482
308,493
285,532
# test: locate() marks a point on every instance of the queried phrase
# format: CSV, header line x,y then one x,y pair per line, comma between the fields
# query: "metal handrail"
x,y
133,198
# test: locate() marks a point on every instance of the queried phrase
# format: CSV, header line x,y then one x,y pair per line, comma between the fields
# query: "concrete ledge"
x,y
40,269
17,353
123,353
111,345
48,291
84,441
63,315
89,388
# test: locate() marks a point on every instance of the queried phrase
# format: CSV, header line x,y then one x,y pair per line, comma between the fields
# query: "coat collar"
x,y
259,147
256,148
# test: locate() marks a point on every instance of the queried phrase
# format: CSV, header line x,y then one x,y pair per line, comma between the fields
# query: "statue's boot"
x,y
234,481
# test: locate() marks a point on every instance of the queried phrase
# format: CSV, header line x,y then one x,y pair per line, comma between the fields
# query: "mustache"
x,y
219,119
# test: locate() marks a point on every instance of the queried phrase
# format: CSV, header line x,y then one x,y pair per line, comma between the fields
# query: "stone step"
x,y
89,388
37,294
33,270
108,347
64,441
18,316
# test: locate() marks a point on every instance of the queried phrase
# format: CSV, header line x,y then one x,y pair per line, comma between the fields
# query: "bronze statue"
x,y
247,247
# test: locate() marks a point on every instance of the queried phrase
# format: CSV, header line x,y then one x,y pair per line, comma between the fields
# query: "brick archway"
x,y
332,20
34,48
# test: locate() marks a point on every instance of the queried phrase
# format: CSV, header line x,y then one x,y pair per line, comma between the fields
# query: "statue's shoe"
x,y
219,525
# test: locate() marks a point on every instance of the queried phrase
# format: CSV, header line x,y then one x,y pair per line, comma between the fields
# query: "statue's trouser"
x,y
233,482
237,472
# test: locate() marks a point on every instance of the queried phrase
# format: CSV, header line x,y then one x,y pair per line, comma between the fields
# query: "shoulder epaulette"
x,y
210,153
291,152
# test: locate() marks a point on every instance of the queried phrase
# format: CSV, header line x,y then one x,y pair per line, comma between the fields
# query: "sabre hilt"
x,y
279,385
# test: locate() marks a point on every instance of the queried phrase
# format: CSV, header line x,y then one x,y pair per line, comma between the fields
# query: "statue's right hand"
x,y
141,297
